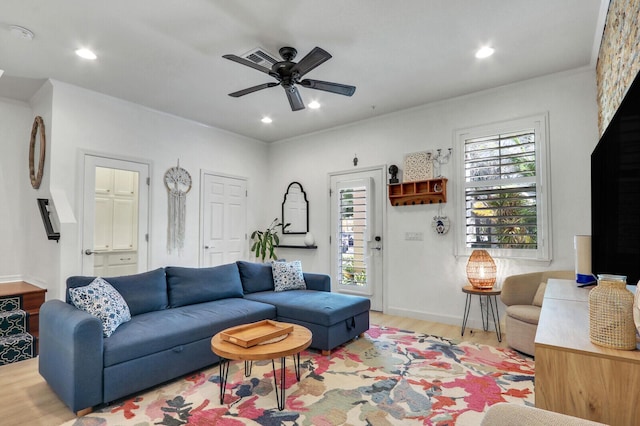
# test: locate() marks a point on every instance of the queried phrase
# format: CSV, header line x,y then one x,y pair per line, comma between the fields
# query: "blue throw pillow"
x,y
188,286
288,276
255,276
103,301
144,292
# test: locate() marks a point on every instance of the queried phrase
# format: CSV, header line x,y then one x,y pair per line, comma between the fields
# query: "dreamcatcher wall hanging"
x,y
178,183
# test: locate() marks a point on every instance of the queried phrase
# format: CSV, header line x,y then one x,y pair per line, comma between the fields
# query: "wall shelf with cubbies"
x,y
419,192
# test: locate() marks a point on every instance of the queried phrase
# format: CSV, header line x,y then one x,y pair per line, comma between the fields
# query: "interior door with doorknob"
x,y
224,219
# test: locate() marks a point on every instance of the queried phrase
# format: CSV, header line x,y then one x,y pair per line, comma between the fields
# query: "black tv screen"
x,y
615,193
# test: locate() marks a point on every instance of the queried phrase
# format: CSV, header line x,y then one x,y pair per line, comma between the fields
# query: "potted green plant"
x,y
265,242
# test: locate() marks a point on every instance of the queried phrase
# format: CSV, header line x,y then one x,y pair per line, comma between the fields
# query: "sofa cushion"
x,y
103,301
197,285
144,292
170,329
288,276
317,307
525,313
255,276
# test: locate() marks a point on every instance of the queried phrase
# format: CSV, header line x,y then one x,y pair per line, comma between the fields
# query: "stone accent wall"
x,y
618,59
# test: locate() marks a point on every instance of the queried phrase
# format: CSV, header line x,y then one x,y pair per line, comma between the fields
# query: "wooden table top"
x,y
481,291
19,287
297,341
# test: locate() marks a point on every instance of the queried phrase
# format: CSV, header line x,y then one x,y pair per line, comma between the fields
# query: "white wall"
x,y
423,278
15,129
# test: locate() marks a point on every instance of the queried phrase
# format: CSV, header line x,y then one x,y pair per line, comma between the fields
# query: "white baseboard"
x,y
10,278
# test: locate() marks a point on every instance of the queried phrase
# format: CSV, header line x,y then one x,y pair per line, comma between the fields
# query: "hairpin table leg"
x,y
224,372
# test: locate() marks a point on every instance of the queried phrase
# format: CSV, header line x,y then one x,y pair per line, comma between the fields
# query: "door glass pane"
x,y
352,228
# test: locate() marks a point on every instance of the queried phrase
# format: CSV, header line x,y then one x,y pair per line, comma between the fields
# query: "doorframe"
x,y
81,191
201,210
383,197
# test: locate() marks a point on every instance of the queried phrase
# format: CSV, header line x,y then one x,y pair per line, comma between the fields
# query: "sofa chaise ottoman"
x,y
333,318
174,313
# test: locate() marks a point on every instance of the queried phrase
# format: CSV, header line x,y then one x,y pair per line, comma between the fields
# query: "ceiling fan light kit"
x,y
288,75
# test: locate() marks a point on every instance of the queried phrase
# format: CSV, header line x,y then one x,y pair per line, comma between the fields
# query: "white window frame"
x,y
539,125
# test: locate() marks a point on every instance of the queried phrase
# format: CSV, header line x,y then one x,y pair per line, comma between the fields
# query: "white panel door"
x,y
357,209
224,219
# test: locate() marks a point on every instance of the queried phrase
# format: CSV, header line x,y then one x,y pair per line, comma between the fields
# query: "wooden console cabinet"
x,y
574,376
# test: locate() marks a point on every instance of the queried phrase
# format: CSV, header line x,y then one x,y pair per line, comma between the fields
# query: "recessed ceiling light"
x,y
21,32
484,52
314,105
266,120
86,54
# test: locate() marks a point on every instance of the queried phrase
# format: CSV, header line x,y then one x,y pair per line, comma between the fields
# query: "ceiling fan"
x,y
288,75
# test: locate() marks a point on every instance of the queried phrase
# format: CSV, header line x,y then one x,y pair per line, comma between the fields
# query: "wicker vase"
x,y
611,314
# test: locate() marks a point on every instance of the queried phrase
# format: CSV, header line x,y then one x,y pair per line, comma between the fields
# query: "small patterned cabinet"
x,y
31,298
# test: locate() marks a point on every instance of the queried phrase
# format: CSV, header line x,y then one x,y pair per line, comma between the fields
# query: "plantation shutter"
x,y
501,207
353,233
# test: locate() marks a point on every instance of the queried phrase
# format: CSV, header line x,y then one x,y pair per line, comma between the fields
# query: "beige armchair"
x,y
522,294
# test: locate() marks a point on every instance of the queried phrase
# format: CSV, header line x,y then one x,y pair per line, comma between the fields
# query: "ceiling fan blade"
x,y
252,89
327,86
295,100
314,58
248,63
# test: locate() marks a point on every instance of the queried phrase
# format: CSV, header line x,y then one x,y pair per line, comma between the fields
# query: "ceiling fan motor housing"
x,y
288,53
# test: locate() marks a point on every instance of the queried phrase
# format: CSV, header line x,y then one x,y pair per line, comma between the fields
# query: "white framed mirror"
x,y
295,210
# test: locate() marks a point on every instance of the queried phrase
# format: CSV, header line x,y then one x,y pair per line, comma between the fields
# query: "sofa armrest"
x,y
70,354
320,282
507,414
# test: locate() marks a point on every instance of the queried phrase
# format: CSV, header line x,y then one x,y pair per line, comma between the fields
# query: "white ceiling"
x,y
167,54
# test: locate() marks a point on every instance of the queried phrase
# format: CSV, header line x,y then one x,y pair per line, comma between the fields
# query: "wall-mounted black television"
x,y
615,193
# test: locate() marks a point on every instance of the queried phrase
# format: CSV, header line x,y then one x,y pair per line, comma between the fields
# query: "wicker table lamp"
x,y
481,270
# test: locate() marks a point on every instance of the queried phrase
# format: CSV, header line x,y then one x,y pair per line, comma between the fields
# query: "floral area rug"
x,y
389,377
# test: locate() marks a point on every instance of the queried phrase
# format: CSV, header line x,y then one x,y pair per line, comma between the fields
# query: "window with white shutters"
x,y
503,196
352,236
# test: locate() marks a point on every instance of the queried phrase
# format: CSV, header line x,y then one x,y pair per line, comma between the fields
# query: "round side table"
x,y
488,302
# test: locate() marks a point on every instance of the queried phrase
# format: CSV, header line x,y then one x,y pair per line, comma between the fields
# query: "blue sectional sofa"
x,y
174,313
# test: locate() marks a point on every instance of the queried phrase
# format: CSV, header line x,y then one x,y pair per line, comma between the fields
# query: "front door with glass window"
x,y
356,233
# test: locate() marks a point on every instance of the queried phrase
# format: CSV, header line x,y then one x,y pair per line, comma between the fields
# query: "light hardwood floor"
x,y
26,399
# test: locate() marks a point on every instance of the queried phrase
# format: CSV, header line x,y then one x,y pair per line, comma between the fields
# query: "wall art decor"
x,y
36,179
178,183
440,158
440,224
417,166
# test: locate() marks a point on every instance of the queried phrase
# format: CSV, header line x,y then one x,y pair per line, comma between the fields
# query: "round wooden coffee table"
x,y
295,342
